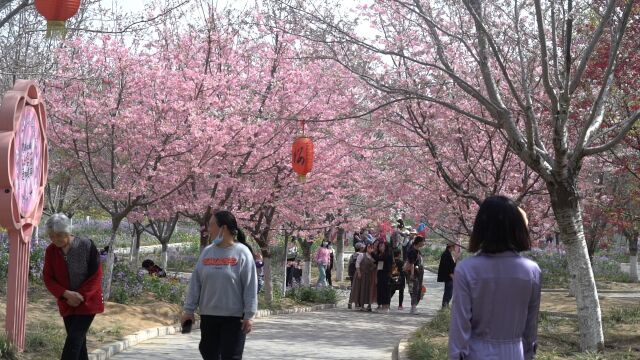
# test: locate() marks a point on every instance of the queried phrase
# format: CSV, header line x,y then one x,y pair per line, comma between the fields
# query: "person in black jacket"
x,y
445,274
384,257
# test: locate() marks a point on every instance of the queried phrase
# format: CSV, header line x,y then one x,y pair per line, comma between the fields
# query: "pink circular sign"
x,y
28,161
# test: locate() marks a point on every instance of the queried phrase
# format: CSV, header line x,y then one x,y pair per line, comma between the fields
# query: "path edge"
x,y
401,350
107,351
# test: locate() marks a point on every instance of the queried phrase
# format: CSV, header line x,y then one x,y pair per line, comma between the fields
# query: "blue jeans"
x,y
322,277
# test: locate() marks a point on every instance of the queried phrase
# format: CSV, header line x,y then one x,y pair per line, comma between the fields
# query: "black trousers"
x,y
399,286
448,292
221,337
328,274
75,346
383,291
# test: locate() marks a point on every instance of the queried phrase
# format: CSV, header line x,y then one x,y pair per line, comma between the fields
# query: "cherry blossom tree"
x,y
131,135
516,67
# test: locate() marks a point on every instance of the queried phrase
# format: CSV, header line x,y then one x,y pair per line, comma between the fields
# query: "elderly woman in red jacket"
x,y
73,275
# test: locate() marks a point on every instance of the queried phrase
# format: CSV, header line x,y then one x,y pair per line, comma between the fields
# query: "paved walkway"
x,y
324,335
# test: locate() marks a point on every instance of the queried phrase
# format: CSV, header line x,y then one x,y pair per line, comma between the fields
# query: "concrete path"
x,y
334,334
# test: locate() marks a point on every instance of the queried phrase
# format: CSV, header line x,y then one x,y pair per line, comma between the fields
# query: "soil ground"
x,y
45,329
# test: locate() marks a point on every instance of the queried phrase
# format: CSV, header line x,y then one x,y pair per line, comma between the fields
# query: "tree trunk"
x,y
306,273
108,269
135,248
284,264
164,257
339,260
135,251
572,286
306,256
131,249
633,255
203,223
568,213
268,281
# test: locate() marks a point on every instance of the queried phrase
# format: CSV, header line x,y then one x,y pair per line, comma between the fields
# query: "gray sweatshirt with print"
x,y
224,283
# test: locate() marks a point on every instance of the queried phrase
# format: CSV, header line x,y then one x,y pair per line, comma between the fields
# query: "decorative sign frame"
x,y
23,176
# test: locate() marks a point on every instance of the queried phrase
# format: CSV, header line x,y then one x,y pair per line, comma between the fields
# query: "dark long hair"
x,y
226,218
499,226
388,253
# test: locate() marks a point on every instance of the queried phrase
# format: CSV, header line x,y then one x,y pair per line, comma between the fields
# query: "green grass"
x,y
558,337
630,315
7,350
314,296
422,346
45,338
101,335
303,296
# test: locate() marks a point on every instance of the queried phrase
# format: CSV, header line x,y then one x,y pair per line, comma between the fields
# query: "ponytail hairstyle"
x,y
226,218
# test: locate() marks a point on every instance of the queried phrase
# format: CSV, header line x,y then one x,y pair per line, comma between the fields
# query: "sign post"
x,y
23,175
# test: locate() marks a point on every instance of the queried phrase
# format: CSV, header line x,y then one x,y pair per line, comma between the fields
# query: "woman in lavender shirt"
x,y
496,296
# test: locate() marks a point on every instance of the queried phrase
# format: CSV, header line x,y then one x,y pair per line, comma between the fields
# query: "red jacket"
x,y
56,279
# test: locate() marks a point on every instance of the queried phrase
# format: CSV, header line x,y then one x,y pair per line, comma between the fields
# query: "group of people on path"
x,y
378,268
495,293
223,287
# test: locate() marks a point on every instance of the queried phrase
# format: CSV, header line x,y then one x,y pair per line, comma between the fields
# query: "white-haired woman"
x,y
73,275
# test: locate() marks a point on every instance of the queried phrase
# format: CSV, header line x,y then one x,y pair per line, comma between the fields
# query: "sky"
x,y
139,5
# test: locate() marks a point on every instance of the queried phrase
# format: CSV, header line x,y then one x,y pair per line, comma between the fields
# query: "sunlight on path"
x,y
334,334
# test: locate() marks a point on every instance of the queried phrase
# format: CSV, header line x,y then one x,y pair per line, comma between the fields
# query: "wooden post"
x,y
23,175
17,284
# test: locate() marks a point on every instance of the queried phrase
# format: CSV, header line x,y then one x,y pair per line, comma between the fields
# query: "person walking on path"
x,y
414,271
397,280
445,273
224,286
384,257
331,263
360,249
323,259
496,293
361,291
73,275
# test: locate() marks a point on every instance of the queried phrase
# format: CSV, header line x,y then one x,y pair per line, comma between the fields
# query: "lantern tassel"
x,y
302,178
56,28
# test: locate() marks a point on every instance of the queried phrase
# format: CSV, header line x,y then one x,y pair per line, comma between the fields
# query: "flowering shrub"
x,y
125,285
4,258
36,259
128,286
168,289
313,295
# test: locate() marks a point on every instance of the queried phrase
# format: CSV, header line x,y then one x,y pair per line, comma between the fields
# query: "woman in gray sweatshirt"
x,y
224,287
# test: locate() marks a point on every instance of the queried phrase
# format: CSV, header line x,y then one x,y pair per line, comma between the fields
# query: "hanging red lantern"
x,y
302,156
57,12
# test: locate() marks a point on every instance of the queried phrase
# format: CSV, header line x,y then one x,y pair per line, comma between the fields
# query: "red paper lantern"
x,y
302,156
57,12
